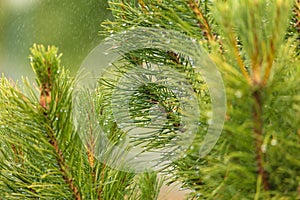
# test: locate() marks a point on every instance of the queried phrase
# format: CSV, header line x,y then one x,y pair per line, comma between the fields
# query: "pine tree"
x,y
42,156
255,46
257,50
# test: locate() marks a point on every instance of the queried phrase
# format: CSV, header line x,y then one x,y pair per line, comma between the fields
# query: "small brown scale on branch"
x,y
45,90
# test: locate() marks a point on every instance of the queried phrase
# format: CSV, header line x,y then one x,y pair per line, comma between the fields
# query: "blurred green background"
x,y
72,26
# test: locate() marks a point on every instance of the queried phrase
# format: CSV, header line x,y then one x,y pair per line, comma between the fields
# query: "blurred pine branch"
x,y
256,47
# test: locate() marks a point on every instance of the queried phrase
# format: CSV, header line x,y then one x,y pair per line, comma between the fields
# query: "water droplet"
x,y
264,148
209,121
209,114
238,94
273,142
198,195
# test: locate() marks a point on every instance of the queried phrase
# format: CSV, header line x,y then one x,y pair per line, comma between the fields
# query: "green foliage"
x,y
256,47
42,155
45,63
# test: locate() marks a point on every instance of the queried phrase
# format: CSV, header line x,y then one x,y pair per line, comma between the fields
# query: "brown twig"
x,y
143,5
91,142
240,60
270,60
90,153
202,22
100,189
123,9
91,150
63,166
45,88
297,13
256,64
271,54
204,25
45,100
258,136
257,109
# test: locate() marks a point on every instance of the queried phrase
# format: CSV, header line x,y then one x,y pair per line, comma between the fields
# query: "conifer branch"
x,y
271,54
123,9
141,2
256,58
256,68
64,168
270,60
297,13
91,145
91,151
38,145
46,64
202,21
239,59
258,123
258,136
102,176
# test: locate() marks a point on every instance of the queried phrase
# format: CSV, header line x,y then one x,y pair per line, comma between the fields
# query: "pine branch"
x,y
203,23
64,168
256,157
239,59
46,64
27,132
254,73
143,5
43,156
297,13
258,135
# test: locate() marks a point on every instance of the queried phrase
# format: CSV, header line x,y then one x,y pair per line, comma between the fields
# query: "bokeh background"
x,y
73,26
